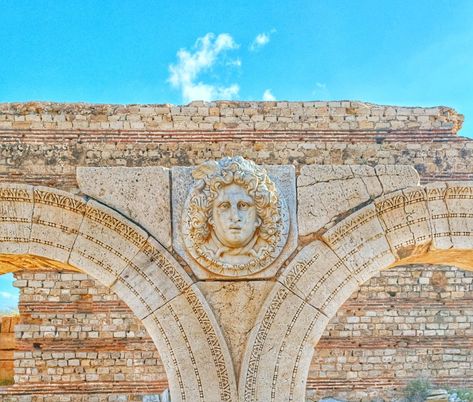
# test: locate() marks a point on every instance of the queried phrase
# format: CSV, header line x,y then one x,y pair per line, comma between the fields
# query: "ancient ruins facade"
x,y
235,251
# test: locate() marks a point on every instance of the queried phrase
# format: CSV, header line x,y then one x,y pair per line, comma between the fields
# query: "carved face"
x,y
234,217
234,221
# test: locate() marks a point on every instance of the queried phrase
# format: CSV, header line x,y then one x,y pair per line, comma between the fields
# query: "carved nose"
x,y
235,216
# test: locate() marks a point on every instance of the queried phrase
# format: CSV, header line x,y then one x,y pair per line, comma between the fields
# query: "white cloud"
x,y
268,95
6,295
261,40
236,63
184,74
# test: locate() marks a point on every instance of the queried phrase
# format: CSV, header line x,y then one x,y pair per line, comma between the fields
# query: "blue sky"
x,y
402,52
8,294
386,51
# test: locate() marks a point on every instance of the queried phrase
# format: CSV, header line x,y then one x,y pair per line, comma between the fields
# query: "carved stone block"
x,y
106,243
141,193
57,216
406,221
231,219
360,242
16,207
438,210
328,192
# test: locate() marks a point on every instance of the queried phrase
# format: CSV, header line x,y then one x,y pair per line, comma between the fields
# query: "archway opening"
x,y
74,337
405,323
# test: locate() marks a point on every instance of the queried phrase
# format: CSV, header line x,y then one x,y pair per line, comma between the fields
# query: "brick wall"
x,y
43,143
76,338
7,347
405,323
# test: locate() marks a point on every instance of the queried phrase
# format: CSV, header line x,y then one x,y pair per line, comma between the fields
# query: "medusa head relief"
x,y
235,221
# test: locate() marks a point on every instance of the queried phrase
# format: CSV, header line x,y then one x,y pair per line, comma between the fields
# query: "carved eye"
x,y
224,205
243,205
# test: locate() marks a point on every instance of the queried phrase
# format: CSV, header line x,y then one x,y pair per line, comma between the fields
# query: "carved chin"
x,y
235,259
231,255
235,240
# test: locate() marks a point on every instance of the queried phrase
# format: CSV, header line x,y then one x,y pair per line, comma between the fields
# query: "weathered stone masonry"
x,y
44,143
403,322
77,335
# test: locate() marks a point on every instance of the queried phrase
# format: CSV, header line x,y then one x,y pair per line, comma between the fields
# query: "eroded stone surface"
x,y
106,243
396,177
235,305
57,216
16,208
143,194
327,191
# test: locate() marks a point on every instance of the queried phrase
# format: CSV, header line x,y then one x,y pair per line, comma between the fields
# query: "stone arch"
x,y
40,222
426,224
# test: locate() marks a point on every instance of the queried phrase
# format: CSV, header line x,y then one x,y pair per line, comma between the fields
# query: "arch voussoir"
x,y
439,219
106,244
361,244
151,280
119,254
459,204
56,220
266,372
405,218
181,325
16,211
318,276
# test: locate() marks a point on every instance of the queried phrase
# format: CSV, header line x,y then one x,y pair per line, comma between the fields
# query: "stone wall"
x,y
403,324
274,116
43,143
55,164
76,338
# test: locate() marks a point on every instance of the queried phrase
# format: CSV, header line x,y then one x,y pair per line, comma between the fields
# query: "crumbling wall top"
x,y
226,115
